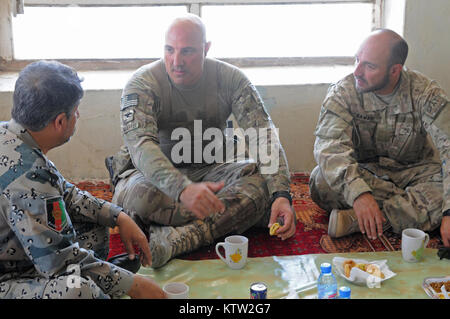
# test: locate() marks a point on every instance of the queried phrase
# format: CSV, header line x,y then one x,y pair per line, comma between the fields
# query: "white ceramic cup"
x,y
176,290
414,241
236,249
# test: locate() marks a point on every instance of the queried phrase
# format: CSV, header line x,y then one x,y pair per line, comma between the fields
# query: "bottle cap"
x,y
325,268
344,292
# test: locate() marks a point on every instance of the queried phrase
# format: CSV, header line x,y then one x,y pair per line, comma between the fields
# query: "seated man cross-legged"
x,y
186,204
382,146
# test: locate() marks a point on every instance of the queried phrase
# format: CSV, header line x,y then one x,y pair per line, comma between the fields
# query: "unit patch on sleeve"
x,y
56,213
129,100
436,104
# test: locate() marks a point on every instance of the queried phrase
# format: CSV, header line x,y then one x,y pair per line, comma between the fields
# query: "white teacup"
x,y
176,290
414,242
236,249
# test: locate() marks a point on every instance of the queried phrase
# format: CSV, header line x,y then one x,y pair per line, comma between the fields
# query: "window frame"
x,y
8,63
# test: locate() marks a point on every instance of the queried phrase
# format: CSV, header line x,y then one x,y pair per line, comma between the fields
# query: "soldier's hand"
x,y
445,230
201,200
131,234
370,217
281,209
145,288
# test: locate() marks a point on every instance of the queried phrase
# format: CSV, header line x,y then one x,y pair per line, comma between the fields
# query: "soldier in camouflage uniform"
x,y
186,204
54,237
376,165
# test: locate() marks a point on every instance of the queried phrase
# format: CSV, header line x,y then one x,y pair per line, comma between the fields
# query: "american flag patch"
x,y
129,100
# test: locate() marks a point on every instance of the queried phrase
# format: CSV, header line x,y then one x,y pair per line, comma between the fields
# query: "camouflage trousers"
x,y
245,196
30,284
410,197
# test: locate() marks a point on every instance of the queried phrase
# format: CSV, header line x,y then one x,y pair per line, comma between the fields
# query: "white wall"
x,y
427,31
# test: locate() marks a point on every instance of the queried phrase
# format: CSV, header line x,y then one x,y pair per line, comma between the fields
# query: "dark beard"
x,y
383,83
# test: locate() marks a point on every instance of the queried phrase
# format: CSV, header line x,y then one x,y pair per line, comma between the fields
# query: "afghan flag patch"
x,y
56,213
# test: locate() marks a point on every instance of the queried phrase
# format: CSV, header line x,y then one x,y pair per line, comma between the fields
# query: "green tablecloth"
x,y
296,276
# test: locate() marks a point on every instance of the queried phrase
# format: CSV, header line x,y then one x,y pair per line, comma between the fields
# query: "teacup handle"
x,y
426,240
217,251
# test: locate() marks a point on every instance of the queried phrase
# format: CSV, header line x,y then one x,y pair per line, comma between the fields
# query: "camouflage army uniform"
x,y
148,182
365,145
49,229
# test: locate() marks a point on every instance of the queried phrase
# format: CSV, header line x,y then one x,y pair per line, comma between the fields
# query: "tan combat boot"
x,y
342,223
167,242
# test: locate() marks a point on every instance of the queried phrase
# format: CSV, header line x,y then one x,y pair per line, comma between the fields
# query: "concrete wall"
x,y
427,28
294,107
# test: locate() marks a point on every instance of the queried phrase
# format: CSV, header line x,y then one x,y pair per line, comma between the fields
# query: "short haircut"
x,y
194,20
399,52
43,90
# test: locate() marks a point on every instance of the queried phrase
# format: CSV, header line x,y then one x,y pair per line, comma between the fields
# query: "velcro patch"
x,y
434,107
56,213
128,116
130,126
129,100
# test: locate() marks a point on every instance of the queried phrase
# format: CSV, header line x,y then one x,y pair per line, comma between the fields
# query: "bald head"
x,y
185,50
391,43
190,22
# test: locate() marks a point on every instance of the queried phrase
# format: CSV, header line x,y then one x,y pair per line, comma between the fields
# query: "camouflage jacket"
x,y
141,113
37,209
355,128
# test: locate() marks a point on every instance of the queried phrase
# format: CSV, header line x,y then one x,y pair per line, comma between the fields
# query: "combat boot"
x,y
345,222
342,223
167,242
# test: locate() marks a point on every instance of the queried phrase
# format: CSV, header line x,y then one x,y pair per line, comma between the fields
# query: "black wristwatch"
x,y
284,194
446,213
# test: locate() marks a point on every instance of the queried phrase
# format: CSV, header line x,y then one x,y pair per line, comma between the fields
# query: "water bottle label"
x,y
327,295
331,296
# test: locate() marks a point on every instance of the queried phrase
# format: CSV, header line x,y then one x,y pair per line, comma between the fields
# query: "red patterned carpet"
x,y
310,238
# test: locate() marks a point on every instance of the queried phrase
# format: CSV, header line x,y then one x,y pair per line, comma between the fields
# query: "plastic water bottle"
x,y
344,292
326,284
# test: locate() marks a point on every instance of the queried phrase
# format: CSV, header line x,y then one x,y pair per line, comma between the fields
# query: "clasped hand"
x,y
201,200
131,234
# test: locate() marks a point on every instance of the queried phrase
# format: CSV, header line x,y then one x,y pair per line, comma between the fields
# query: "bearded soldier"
x,y
375,145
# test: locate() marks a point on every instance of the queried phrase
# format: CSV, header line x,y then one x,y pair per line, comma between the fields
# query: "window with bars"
x,y
124,34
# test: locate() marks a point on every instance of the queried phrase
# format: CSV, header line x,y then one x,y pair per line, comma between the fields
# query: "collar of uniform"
x,y
401,101
22,133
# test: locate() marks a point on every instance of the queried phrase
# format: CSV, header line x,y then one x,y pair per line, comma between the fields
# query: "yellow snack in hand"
x,y
274,228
